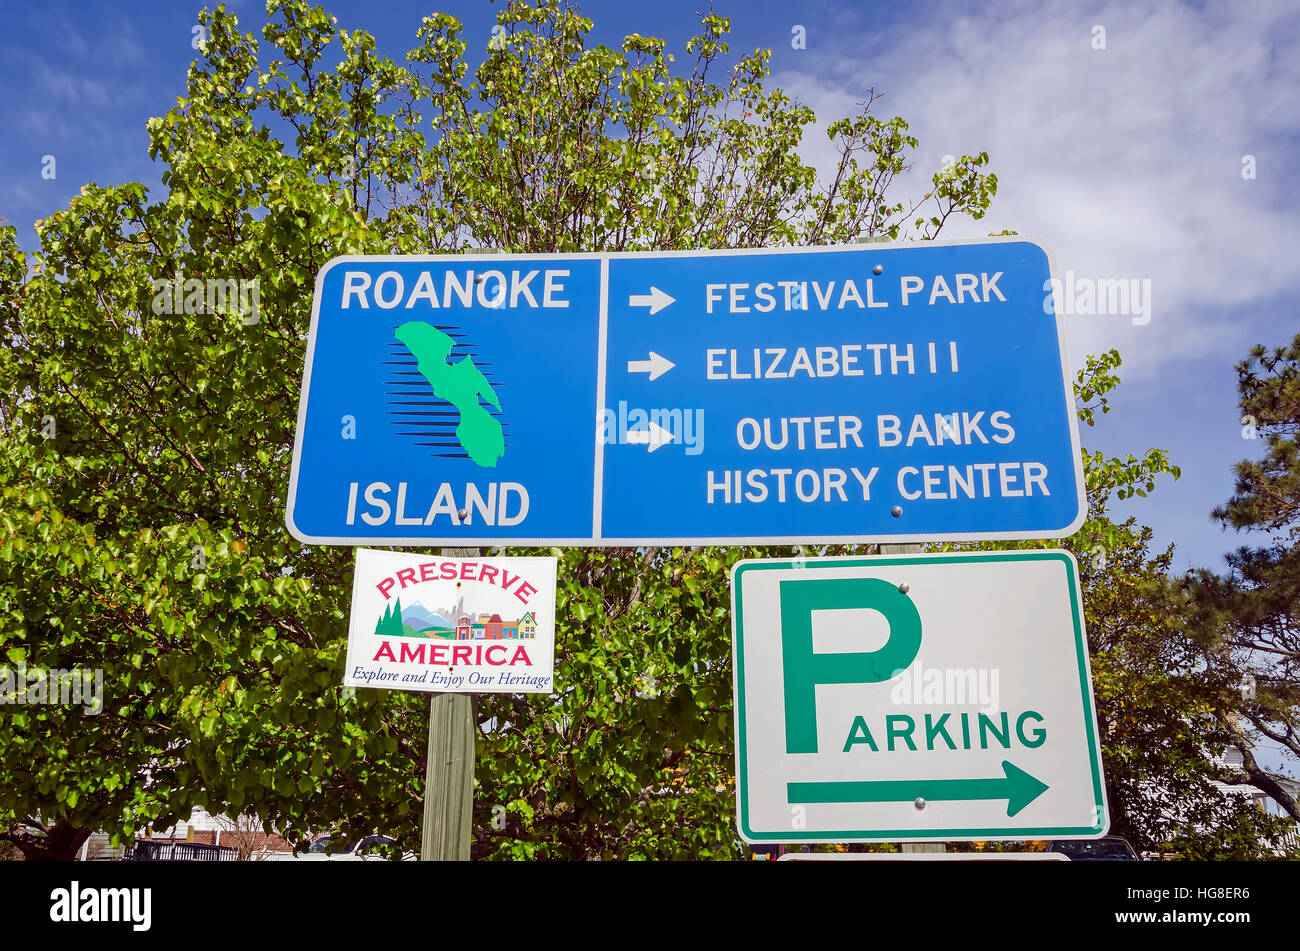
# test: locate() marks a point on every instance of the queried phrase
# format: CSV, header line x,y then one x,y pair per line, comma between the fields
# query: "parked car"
x,y
1110,848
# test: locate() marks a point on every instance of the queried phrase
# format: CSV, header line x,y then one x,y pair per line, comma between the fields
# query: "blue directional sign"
x,y
912,392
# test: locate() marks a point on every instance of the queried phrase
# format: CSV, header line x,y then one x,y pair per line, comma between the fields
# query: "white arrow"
x,y
656,300
654,437
656,366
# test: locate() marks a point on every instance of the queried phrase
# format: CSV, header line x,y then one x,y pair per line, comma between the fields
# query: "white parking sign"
x,y
914,697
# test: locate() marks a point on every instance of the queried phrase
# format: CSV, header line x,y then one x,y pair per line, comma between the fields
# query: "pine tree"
x,y
1250,618
391,625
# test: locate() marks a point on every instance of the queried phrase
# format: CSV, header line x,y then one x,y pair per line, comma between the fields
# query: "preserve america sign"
x,y
456,625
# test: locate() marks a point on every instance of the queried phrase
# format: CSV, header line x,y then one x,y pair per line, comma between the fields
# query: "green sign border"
x,y
896,835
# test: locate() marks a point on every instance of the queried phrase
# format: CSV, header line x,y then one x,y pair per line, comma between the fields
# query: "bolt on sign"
x,y
457,625
914,697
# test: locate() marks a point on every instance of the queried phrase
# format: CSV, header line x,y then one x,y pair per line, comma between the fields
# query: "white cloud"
x,y
65,35
13,194
1127,161
122,45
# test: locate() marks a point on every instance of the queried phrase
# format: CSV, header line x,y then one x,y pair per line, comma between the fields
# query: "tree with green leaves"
x,y
146,447
1163,713
1159,710
1249,619
145,453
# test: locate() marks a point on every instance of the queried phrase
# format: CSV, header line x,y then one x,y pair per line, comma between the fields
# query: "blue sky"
x,y
1126,161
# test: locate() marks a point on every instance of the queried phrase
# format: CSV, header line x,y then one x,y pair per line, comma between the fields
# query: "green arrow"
x,y
1018,788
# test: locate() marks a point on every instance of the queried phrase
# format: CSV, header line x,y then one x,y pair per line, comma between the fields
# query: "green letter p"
x,y
804,669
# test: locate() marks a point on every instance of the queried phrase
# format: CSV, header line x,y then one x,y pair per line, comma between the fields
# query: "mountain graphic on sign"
x,y
462,384
413,621
419,618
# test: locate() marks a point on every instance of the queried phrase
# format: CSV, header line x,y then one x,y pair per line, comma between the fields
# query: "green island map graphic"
x,y
460,383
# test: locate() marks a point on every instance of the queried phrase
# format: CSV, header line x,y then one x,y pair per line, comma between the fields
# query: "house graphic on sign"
x,y
492,627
